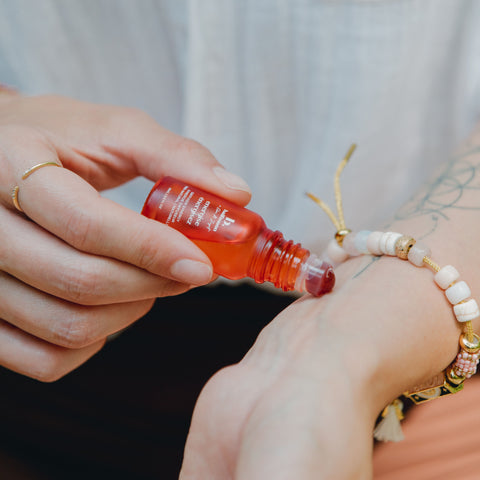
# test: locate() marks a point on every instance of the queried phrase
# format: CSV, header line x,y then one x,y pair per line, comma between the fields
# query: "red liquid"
x,y
236,240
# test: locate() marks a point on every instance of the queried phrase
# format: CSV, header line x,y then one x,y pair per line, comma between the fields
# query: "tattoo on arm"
x,y
446,193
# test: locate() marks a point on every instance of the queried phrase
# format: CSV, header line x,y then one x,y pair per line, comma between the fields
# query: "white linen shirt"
x,y
277,89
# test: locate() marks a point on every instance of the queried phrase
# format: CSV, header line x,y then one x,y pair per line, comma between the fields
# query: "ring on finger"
x,y
26,174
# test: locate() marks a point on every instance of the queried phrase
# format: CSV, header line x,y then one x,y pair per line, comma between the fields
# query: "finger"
x,y
38,359
109,145
60,322
41,260
159,152
153,152
70,208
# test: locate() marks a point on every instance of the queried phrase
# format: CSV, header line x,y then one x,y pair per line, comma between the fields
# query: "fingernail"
x,y
231,180
191,272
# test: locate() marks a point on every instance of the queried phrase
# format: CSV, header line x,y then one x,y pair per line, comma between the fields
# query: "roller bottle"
x,y
236,239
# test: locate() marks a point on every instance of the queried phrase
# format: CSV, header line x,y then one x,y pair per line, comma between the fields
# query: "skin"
x,y
76,267
303,402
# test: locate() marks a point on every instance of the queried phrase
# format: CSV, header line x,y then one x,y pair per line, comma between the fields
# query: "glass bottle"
x,y
236,239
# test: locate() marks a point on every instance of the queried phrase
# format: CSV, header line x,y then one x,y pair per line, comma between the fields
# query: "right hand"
x,y
76,267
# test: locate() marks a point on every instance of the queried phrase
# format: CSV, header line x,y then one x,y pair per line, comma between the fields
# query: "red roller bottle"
x,y
236,240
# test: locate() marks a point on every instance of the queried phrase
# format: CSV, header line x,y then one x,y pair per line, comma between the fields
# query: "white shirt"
x,y
277,89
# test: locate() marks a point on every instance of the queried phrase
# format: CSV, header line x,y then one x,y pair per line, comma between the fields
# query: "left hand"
x,y
289,410
303,402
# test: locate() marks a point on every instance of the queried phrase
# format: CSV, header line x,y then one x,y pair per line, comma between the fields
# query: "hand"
x,y
303,402
76,267
288,410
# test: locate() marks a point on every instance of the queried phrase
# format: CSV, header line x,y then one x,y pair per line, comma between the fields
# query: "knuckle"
x,y
125,117
83,284
48,367
80,229
149,256
192,148
77,331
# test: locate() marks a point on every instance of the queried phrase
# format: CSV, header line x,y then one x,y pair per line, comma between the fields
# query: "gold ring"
x,y
26,174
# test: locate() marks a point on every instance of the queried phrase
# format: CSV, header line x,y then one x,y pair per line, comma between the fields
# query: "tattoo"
x,y
372,260
446,193
447,190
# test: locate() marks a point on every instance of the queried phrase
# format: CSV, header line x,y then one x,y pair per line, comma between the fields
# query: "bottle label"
x,y
232,236
182,207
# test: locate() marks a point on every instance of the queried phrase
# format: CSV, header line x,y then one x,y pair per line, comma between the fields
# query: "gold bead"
x,y
403,246
469,347
341,234
452,378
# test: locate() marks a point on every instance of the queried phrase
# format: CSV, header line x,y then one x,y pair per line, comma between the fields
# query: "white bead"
x,y
446,276
458,292
373,243
417,254
336,252
349,245
466,311
361,241
387,242
391,242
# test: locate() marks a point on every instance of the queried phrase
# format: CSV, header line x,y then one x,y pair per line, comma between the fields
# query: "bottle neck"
x,y
277,260
289,266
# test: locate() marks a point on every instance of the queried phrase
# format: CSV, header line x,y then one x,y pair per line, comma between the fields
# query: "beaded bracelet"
x,y
348,244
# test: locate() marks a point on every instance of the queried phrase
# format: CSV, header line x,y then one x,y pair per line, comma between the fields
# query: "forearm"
x,y
406,324
387,326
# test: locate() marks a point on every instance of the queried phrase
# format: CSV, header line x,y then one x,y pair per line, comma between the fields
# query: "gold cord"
x,y
326,209
339,222
469,331
431,264
338,193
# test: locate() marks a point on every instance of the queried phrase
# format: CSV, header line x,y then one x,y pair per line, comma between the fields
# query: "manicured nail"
x,y
231,180
191,272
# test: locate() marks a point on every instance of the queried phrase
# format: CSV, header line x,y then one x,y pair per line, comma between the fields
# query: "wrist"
x,y
385,328
308,371
310,341
406,327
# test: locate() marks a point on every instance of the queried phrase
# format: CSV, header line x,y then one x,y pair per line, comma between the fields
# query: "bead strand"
x,y
351,244
347,244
